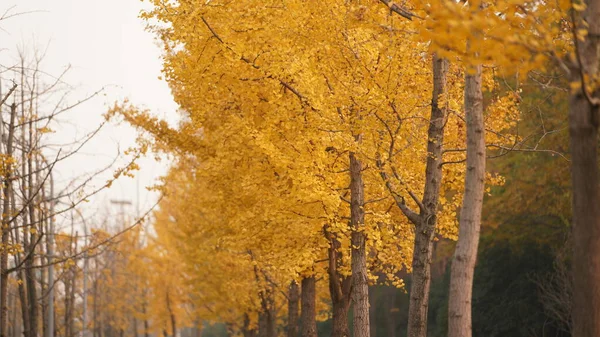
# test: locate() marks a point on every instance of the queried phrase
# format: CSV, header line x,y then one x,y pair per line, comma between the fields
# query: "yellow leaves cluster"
x,y
504,33
12,249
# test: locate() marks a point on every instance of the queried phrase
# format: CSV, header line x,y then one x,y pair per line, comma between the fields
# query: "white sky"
x,y
106,45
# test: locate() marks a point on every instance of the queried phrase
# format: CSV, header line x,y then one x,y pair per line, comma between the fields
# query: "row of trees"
x,y
327,143
307,152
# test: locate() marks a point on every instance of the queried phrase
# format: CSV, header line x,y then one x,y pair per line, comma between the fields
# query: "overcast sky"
x,y
106,45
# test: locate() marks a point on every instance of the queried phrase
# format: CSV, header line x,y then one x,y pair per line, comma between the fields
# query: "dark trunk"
x,y
340,289
24,304
146,323
33,237
247,331
266,318
583,124
293,307
584,119
171,316
308,306
421,282
67,318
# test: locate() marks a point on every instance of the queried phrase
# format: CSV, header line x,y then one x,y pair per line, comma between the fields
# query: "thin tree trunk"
x,y
584,120
465,255
360,293
33,236
293,308
24,304
246,330
6,217
144,312
43,277
68,309
172,316
426,221
263,324
308,306
95,307
12,303
340,289
135,327
266,319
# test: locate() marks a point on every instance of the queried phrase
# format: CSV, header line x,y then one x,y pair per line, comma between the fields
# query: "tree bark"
x,y
339,326
465,254
293,308
584,120
360,293
308,306
426,221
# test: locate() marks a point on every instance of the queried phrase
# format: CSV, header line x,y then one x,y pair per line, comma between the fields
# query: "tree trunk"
x,y
67,319
246,330
586,217
171,316
584,119
308,306
340,288
95,318
24,304
6,217
360,293
146,323
43,292
339,323
293,307
426,220
266,318
12,303
33,237
465,255
421,282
